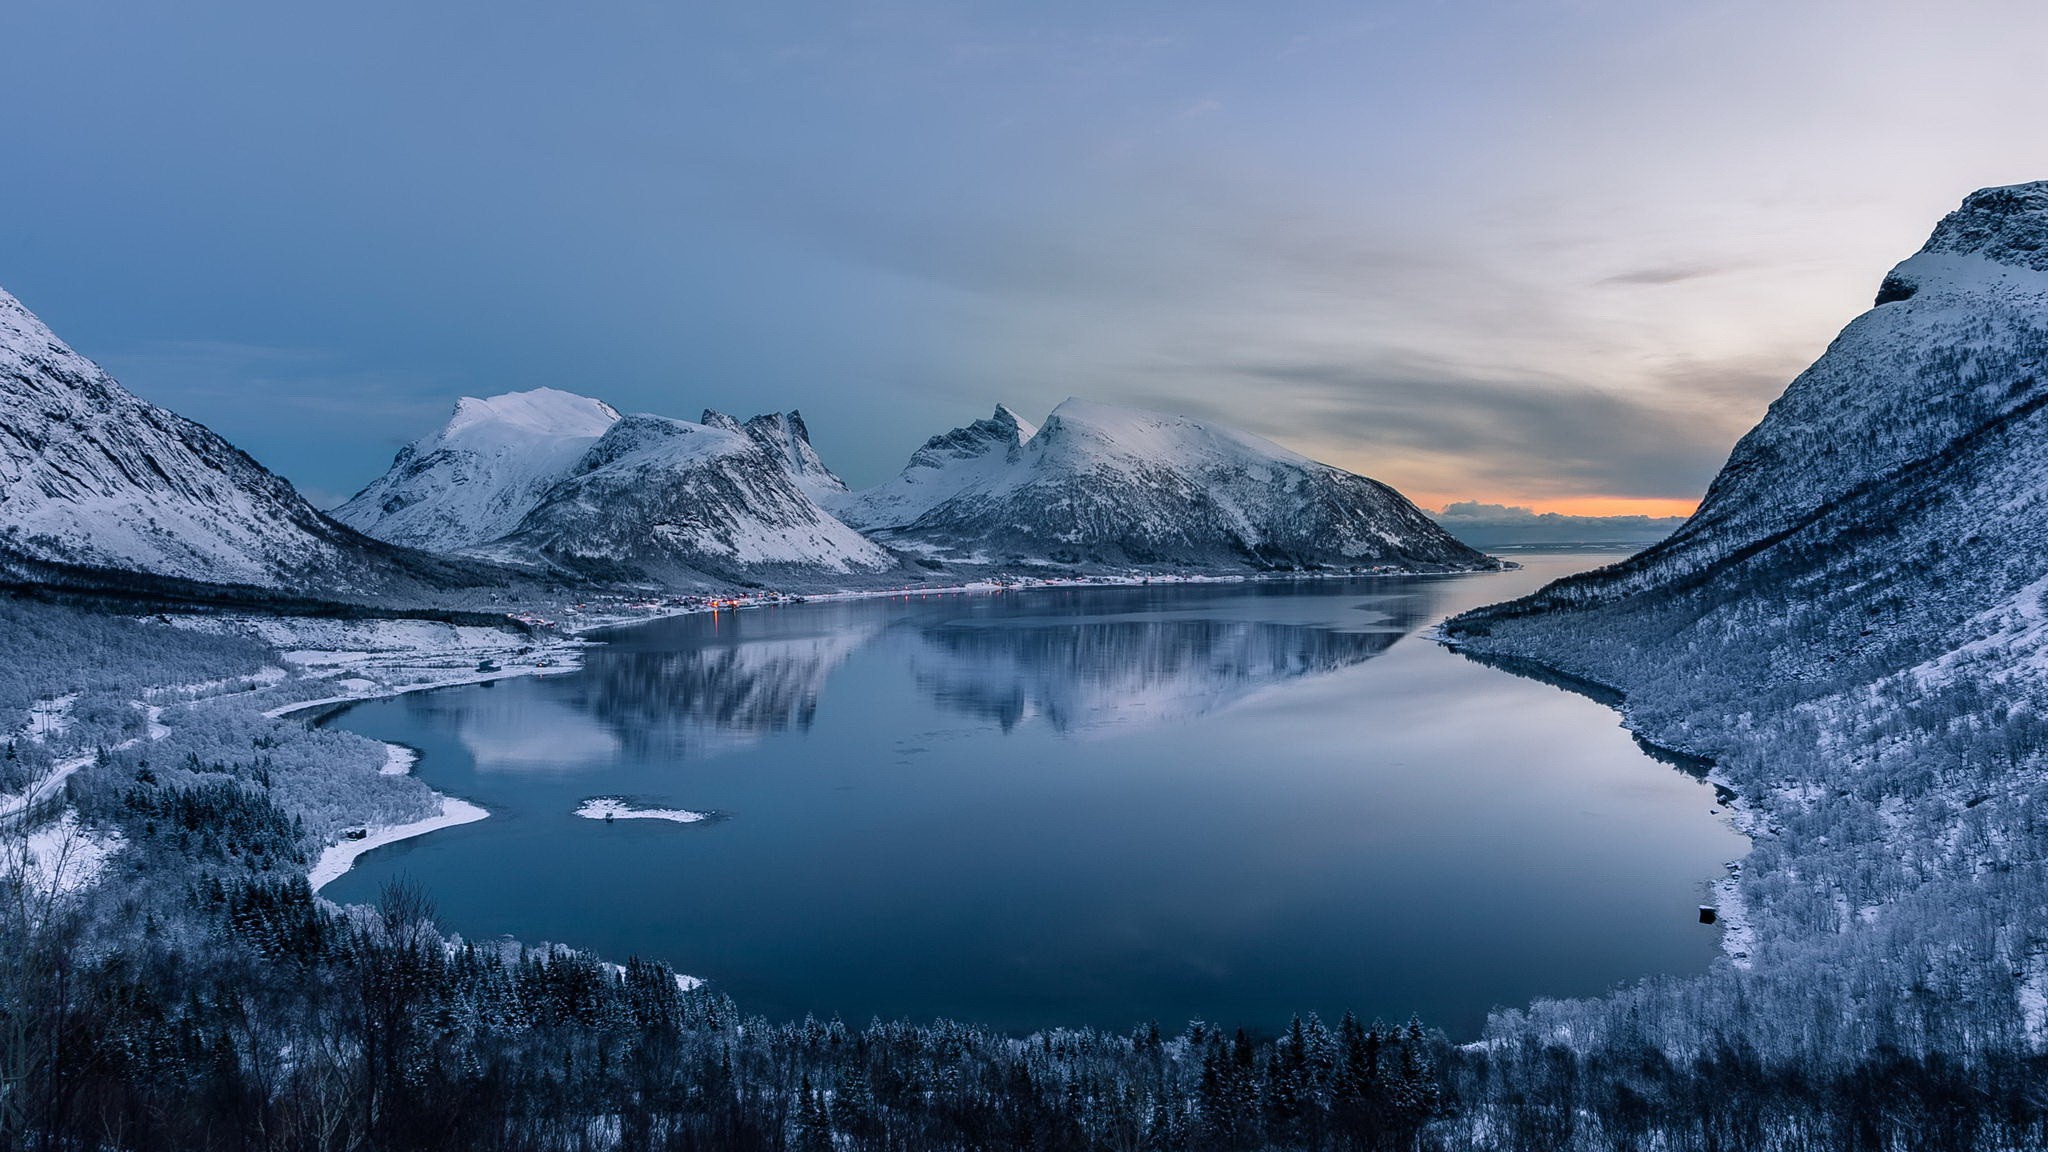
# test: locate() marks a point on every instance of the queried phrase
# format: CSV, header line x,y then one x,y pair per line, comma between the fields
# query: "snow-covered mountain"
x,y
975,456
549,476
1938,383
473,479
1115,486
673,500
93,477
1854,628
786,436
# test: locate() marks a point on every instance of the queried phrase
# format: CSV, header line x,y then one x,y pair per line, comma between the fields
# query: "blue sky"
x,y
1557,254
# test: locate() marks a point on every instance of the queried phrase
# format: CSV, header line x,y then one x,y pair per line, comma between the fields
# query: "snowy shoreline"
x,y
1738,935
990,587
336,859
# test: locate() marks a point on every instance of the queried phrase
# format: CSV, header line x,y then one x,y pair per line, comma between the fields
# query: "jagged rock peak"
x,y
2008,225
713,418
1006,417
785,437
780,424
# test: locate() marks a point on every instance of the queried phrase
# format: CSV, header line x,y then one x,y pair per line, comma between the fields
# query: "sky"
x,y
1555,255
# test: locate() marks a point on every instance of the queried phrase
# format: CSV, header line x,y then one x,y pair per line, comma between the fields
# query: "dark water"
x,y
1232,802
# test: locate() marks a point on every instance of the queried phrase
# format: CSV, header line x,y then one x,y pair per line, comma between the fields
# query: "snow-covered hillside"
x,y
95,477
473,479
1852,628
1951,352
676,501
1102,485
552,477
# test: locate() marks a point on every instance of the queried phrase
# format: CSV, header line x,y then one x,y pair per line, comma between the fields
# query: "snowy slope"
x,y
1854,626
1951,353
673,500
551,477
473,479
93,476
1097,484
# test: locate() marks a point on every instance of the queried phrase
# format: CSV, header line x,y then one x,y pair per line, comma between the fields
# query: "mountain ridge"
x,y
98,486
1100,484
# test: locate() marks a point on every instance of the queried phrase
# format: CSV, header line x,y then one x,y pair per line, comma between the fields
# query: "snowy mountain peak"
x,y
25,339
1945,364
92,475
2006,225
644,432
1008,415
564,480
473,478
677,502
788,439
947,464
539,412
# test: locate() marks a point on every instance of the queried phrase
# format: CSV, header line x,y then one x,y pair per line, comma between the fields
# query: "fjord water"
x,y
1231,802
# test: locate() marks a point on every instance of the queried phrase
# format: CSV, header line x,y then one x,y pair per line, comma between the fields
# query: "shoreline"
x,y
336,859
989,587
1738,935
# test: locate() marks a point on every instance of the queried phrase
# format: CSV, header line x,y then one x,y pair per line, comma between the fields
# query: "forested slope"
x,y
1851,627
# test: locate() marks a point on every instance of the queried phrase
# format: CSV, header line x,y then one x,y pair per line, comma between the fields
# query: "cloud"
x,y
1672,274
1519,435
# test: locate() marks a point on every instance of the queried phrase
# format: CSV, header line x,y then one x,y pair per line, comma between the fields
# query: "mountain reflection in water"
x,y
699,685
1090,806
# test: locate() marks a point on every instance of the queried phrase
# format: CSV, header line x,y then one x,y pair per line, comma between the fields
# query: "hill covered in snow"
x,y
97,484
561,480
1854,628
1098,485
474,478
552,478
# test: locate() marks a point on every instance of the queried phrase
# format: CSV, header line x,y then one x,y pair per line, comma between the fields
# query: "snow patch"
x,y
61,857
617,808
398,760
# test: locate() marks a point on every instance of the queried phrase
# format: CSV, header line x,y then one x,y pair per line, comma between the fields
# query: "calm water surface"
x,y
1098,806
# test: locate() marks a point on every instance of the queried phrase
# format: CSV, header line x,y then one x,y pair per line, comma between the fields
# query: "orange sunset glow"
x,y
1610,506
